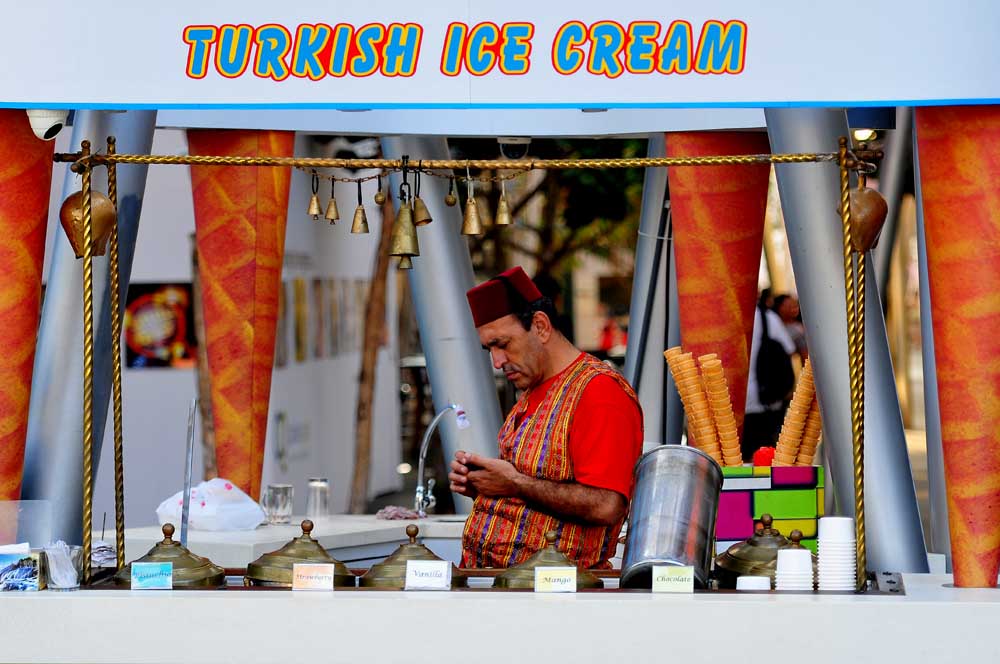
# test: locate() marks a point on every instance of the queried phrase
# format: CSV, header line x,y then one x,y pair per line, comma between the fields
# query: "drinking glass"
x,y
318,498
277,502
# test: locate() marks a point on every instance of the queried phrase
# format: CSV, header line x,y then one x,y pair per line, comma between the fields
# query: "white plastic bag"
x,y
217,504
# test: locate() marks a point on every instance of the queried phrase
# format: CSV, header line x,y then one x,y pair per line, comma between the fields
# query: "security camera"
x,y
46,123
514,147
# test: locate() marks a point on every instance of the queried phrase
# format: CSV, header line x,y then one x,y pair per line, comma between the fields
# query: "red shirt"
x,y
605,436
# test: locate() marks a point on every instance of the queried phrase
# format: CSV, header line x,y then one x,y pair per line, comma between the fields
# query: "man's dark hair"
x,y
524,310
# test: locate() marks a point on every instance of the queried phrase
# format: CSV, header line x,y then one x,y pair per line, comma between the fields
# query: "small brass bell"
x,y
472,224
102,218
503,217
405,263
360,223
379,195
450,198
421,215
404,234
314,209
332,213
868,213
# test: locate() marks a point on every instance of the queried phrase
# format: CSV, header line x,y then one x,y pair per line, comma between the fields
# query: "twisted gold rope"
x,y
116,363
88,369
855,300
452,164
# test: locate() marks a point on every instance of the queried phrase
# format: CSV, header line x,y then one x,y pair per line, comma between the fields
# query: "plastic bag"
x,y
217,504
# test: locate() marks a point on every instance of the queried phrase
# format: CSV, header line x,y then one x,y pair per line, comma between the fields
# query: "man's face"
x,y
518,352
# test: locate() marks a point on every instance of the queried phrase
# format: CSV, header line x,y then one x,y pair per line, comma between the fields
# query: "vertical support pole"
x,y
116,368
88,364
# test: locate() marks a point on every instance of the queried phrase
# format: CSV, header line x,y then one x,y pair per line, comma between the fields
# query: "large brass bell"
x,y
404,234
360,223
332,213
314,209
868,213
102,215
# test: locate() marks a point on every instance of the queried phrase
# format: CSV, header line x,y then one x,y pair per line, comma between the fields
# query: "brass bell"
x,y
421,215
314,209
360,223
102,217
404,234
472,224
503,217
332,213
379,195
450,198
868,213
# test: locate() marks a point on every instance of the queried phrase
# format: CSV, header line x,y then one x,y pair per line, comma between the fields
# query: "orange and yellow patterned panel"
x,y
960,180
718,220
240,215
25,179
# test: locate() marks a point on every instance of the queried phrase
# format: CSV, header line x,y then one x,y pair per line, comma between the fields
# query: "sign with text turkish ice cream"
x,y
455,53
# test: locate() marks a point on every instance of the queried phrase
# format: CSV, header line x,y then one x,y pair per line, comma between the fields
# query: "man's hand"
x,y
458,478
494,478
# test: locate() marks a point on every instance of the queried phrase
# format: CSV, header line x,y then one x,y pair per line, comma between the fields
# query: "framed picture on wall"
x,y
159,326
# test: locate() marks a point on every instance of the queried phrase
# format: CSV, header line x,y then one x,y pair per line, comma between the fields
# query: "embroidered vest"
x,y
503,532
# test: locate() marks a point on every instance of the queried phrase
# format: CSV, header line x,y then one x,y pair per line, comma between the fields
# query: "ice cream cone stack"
x,y
810,437
793,429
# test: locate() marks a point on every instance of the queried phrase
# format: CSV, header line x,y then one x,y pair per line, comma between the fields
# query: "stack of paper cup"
x,y
837,553
753,583
795,570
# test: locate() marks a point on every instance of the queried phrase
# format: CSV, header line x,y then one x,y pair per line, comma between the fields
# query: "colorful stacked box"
x,y
793,495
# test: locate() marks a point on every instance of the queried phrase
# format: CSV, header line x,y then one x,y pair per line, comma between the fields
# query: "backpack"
x,y
775,376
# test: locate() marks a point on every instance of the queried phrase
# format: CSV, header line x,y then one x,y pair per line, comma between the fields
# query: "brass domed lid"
x,y
523,575
391,572
275,568
758,554
189,570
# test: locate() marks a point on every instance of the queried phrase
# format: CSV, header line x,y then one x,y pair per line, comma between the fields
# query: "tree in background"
x,y
592,211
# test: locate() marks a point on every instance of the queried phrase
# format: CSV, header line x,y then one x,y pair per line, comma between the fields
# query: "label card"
x,y
428,575
152,576
312,576
555,579
673,579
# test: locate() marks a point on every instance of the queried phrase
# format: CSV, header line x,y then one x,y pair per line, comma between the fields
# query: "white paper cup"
x,y
794,560
753,583
836,529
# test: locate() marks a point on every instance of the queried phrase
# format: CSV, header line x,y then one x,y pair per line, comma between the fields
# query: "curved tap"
x,y
424,498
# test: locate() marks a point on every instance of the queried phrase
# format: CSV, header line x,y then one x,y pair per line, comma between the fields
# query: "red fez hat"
x,y
507,293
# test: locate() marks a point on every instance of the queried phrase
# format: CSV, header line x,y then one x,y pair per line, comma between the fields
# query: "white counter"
x,y
353,539
932,623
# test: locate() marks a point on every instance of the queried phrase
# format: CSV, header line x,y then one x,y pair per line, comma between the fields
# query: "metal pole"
x,y
644,365
52,460
809,196
940,537
457,367
892,172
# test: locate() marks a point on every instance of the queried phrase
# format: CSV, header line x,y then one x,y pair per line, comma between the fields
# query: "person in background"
x,y
566,450
787,308
769,374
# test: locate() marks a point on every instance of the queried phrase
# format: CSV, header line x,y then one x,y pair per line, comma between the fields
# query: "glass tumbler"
x,y
277,502
318,498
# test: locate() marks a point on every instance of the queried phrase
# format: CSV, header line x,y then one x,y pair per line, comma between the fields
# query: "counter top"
x,y
932,623
339,531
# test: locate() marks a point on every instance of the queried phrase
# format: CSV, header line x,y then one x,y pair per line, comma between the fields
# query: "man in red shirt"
x,y
566,450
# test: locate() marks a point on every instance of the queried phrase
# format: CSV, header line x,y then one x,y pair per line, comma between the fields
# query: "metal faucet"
x,y
424,498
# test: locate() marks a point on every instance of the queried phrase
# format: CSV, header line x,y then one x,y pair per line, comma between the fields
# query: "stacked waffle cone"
x,y
802,427
707,403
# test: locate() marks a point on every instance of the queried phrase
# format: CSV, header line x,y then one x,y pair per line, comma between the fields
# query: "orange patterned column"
x,y
240,214
718,220
25,180
959,151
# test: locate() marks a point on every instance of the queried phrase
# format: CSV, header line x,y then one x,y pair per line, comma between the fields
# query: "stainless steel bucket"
x,y
672,517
